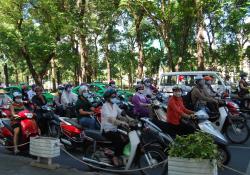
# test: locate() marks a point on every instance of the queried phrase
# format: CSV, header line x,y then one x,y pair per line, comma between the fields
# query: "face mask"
x,y
60,91
18,100
177,94
91,99
147,84
141,91
209,82
114,100
85,94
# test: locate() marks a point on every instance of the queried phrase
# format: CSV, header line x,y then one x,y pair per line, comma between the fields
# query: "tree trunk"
x,y
58,76
138,20
106,52
200,40
53,74
27,80
169,55
83,58
17,76
6,74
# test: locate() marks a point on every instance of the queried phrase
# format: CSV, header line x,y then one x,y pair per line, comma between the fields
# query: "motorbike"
x,y
232,123
136,154
29,128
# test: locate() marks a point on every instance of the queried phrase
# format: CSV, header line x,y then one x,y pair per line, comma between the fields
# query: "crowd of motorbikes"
x,y
147,143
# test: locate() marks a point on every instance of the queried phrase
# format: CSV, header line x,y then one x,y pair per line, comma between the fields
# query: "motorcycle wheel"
x,y
237,131
224,155
155,156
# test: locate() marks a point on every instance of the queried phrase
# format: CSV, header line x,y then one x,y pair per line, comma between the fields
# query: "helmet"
x,y
111,82
243,74
17,94
208,78
138,87
181,77
67,86
108,93
82,89
198,77
60,87
2,91
24,87
38,88
177,87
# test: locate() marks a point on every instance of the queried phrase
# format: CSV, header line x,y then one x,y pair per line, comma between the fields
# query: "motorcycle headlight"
x,y
28,115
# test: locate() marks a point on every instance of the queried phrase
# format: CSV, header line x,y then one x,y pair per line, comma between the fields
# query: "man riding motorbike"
x,y
39,100
140,102
25,93
6,103
243,91
109,121
184,87
200,98
111,85
85,110
31,93
208,88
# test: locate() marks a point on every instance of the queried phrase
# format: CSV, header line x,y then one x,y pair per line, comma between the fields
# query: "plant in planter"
x,y
192,155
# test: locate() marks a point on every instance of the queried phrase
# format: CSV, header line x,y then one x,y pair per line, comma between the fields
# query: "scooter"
x,y
231,123
136,153
29,129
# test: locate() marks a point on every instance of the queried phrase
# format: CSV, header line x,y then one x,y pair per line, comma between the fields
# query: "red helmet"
x,y
181,77
208,78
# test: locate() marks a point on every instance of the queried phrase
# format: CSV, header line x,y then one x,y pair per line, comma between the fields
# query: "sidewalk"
x,y
18,165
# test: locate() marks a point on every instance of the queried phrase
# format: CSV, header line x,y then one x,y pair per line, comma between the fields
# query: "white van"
x,y
168,80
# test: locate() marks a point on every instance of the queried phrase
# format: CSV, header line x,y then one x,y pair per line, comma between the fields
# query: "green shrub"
x,y
198,145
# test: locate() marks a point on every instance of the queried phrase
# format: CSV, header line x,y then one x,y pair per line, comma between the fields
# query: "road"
x,y
240,157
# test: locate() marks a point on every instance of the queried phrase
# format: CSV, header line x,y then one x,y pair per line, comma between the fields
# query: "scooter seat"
x,y
7,123
72,122
96,135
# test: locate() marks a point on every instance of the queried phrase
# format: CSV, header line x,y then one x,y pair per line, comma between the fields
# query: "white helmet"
x,y
198,77
17,94
82,89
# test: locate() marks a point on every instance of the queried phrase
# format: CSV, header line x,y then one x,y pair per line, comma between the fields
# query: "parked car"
x,y
168,80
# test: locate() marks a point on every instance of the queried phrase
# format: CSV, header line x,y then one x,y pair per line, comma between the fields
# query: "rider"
x,y
209,89
109,121
182,83
148,88
112,85
31,93
25,92
15,123
243,89
57,100
85,110
200,99
39,100
68,97
140,102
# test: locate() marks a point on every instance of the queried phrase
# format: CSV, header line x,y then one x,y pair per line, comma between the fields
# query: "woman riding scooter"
x,y
109,122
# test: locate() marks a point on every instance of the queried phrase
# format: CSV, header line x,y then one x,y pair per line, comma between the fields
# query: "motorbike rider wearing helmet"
x,y
57,101
200,99
243,89
15,123
85,110
39,100
184,87
140,102
209,89
112,85
148,89
109,121
31,93
68,97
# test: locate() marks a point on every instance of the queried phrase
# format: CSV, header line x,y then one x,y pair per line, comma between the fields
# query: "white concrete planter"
x,y
45,147
184,166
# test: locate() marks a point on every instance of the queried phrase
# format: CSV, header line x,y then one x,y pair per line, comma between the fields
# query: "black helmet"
x,y
108,93
243,74
67,86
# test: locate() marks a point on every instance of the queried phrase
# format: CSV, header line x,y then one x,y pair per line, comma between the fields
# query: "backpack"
x,y
187,101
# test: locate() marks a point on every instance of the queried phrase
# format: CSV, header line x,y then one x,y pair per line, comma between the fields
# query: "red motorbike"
x,y
29,129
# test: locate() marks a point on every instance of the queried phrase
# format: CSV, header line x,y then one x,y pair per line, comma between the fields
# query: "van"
x,y
168,80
